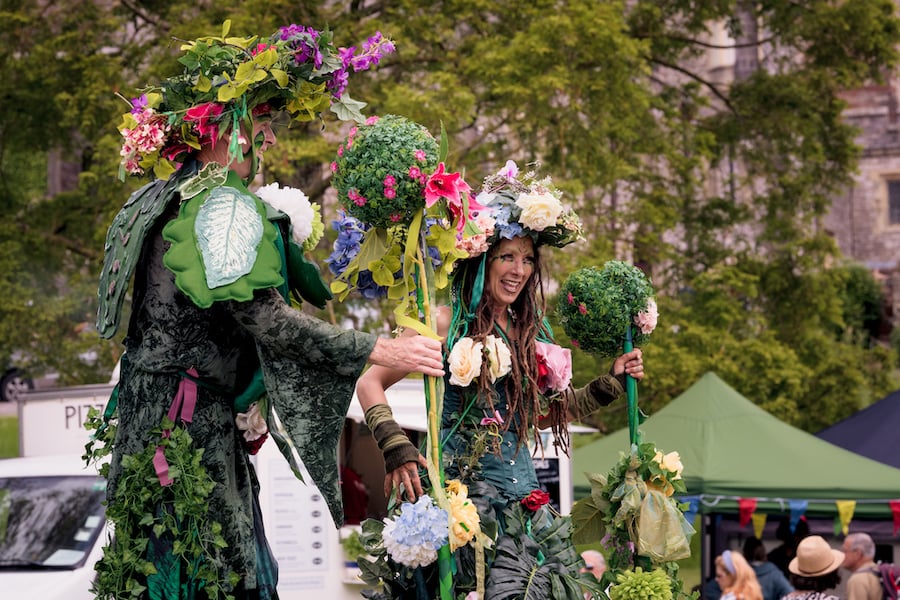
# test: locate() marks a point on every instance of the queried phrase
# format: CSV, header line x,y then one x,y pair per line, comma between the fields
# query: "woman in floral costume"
x,y
214,350
506,379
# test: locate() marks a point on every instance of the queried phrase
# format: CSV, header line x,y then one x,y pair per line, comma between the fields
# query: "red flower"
x,y
535,500
254,446
202,114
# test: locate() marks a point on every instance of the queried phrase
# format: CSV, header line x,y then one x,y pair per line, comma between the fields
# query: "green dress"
x,y
309,369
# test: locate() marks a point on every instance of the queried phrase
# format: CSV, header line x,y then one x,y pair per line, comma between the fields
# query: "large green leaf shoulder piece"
x,y
222,246
124,241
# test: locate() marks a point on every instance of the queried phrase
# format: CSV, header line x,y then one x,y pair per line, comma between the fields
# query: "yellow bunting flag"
x,y
845,513
759,523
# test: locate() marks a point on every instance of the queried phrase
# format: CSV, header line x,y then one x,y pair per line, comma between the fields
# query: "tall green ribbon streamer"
x,y
631,393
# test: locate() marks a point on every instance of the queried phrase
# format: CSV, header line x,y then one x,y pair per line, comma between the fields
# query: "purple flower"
x,y
139,104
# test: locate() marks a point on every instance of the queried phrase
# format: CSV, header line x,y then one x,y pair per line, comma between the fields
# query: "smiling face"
x,y
512,262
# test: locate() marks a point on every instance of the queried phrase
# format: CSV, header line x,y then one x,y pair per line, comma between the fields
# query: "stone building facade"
x,y
865,219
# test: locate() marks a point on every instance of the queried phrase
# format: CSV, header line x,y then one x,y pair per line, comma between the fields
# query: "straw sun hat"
x,y
815,557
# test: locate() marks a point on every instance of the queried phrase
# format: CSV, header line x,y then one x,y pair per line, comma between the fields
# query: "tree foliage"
x,y
716,184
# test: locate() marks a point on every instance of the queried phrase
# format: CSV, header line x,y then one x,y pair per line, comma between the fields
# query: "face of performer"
x,y
265,139
512,264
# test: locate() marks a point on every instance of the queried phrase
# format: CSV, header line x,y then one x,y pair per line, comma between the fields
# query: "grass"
x,y
9,437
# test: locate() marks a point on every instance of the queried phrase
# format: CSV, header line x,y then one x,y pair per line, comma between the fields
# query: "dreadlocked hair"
x,y
526,316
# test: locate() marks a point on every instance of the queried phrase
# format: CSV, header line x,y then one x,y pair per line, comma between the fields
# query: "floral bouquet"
x,y
226,79
401,209
598,306
633,512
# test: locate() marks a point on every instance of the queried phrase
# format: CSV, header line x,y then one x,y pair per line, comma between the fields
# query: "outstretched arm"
x,y
606,388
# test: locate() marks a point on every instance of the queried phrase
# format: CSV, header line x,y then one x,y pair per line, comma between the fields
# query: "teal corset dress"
x,y
473,452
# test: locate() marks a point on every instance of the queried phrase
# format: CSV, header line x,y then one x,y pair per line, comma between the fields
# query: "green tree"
x,y
715,183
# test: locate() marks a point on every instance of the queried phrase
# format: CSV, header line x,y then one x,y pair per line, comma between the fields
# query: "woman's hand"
x,y
408,475
630,363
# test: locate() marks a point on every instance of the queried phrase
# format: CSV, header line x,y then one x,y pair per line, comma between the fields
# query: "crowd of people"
x,y
812,572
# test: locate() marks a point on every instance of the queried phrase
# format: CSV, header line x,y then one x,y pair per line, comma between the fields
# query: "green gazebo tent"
x,y
733,449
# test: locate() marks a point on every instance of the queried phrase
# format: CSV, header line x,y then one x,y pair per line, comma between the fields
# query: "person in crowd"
x,y
489,418
216,358
736,578
814,570
781,555
859,559
771,580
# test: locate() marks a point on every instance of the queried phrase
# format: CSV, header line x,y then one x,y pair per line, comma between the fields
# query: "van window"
x,y
49,522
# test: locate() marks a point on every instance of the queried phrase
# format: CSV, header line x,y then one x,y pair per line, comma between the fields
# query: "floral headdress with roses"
x,y
519,204
228,80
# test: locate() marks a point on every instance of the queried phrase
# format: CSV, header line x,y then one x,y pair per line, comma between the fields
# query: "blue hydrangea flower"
x,y
415,535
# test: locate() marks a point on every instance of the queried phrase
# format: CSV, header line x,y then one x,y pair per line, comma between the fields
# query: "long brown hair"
x,y
526,314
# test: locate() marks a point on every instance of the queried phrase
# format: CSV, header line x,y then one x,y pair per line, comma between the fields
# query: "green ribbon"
x,y
631,393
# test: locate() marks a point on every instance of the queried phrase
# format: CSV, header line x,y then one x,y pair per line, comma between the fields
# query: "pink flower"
x,y
495,420
389,181
582,308
355,197
259,48
420,155
445,185
554,367
334,167
390,193
395,218
575,343
570,298
414,173
340,151
646,319
372,120
510,170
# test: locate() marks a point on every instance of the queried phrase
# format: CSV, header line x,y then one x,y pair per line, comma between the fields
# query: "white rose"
x,y
465,361
670,462
295,204
499,359
539,211
252,423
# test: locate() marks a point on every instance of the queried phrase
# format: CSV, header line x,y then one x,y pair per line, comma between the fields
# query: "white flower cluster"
x,y
295,204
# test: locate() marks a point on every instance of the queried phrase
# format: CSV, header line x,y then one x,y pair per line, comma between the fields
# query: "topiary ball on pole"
x,y
597,306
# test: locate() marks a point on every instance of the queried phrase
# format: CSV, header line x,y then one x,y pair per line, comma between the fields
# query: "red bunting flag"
x,y
746,506
895,508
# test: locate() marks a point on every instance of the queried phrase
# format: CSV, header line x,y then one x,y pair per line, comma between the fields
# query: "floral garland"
x,y
226,79
633,512
597,306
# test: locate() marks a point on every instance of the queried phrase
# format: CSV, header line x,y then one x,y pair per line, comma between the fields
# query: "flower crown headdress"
x,y
523,205
229,80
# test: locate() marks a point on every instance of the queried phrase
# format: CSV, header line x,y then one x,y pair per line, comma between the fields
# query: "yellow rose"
x,y
499,359
539,211
464,519
465,361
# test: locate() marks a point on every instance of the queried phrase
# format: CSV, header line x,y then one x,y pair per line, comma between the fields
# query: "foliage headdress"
x,y
227,80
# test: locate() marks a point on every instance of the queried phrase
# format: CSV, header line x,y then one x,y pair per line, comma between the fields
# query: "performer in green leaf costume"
x,y
216,358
